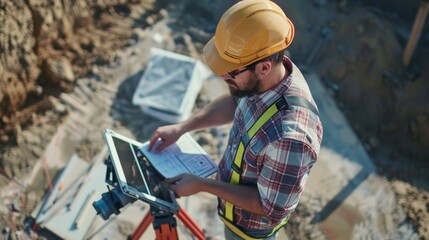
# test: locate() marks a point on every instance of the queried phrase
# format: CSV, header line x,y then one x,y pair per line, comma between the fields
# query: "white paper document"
x,y
184,156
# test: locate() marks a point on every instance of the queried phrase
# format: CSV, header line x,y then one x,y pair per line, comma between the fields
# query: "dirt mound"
x,y
385,101
47,45
18,69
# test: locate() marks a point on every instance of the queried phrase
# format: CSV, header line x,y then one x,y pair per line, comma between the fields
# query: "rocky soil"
x,y
49,50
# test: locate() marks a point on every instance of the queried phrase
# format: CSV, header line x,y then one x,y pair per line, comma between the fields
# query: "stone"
x,y
58,69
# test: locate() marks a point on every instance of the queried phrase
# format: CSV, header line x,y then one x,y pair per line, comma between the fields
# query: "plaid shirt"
x,y
279,157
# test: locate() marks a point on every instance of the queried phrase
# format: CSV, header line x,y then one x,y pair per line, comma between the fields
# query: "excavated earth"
x,y
49,50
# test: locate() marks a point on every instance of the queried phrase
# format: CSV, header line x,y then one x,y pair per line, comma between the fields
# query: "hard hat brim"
x,y
215,62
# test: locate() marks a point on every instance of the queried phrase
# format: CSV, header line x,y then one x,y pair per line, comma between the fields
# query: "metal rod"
x,y
416,31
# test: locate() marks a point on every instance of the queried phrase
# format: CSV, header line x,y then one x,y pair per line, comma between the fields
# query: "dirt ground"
x,y
356,48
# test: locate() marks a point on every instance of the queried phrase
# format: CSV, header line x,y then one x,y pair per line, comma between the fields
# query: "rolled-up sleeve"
x,y
286,166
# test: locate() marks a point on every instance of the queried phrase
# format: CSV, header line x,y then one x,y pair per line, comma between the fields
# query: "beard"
x,y
252,88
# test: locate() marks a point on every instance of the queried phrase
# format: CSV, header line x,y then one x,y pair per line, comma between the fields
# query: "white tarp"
x,y
170,85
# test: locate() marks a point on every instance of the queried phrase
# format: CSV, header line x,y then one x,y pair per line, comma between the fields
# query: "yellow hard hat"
x,y
248,31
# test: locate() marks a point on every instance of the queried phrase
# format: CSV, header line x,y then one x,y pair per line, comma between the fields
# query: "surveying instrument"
x,y
134,178
162,219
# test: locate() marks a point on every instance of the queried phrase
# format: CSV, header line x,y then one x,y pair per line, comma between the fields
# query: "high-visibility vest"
x,y
282,103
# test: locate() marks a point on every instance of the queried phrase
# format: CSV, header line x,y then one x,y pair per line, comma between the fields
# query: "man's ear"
x,y
264,68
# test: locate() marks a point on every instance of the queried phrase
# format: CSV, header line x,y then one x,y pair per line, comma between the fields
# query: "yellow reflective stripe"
x,y
235,178
262,120
229,211
239,155
237,231
243,235
284,222
238,160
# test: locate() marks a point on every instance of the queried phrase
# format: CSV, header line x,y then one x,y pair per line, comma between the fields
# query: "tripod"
x,y
165,224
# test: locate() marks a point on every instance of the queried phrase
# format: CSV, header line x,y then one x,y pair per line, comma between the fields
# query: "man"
x,y
276,132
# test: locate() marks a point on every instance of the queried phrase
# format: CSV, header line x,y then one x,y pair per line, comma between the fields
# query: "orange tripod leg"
x,y
147,220
191,225
166,232
165,226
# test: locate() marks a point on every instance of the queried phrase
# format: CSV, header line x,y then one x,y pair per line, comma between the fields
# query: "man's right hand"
x,y
167,135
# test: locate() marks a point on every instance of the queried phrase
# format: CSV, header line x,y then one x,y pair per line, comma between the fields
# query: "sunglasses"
x,y
236,72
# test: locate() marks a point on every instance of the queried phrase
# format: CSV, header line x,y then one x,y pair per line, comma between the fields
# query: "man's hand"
x,y
246,197
218,112
185,184
167,134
